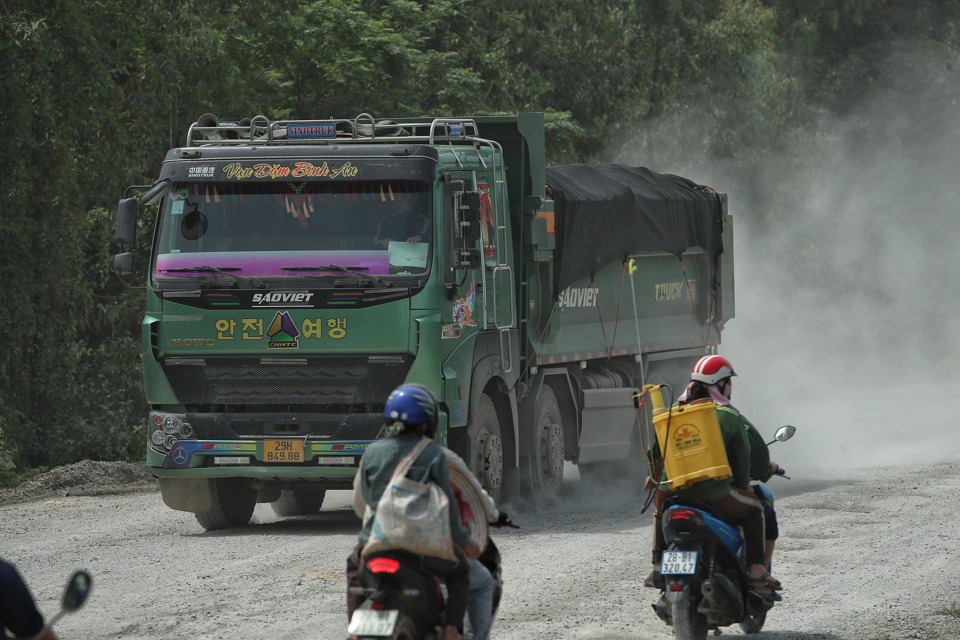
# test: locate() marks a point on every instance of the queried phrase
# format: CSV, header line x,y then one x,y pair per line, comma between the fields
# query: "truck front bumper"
x,y
249,458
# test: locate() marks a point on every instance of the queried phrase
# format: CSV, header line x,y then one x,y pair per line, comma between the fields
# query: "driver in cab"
x,y
404,224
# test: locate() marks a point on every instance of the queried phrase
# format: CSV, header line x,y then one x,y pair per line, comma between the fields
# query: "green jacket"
x,y
760,467
734,430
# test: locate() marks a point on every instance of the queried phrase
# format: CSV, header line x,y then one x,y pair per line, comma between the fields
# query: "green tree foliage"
x,y
93,93
57,338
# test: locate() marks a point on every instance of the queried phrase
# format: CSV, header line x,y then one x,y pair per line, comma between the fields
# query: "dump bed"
x,y
607,212
639,259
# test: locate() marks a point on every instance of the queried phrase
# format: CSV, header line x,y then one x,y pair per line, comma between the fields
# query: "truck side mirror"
x,y
466,258
467,215
126,231
123,262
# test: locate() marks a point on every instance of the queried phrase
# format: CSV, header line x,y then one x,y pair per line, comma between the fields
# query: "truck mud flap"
x,y
609,419
186,494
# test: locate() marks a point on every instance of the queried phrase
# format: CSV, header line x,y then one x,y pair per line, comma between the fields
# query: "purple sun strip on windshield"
x,y
270,263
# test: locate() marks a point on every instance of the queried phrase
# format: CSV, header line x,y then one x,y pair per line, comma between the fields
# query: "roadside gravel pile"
x,y
87,477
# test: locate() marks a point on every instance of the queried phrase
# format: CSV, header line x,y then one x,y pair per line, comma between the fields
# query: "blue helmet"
x,y
411,404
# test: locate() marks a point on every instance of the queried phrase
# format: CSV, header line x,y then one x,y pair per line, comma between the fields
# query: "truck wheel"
x,y
232,501
486,448
544,472
298,502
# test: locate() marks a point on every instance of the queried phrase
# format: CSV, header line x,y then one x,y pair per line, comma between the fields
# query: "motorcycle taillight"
x,y
383,565
683,515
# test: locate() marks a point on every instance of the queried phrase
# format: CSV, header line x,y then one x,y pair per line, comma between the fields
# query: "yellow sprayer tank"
x,y
691,442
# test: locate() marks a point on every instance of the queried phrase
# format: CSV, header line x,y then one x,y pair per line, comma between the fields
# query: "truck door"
x,y
500,309
479,258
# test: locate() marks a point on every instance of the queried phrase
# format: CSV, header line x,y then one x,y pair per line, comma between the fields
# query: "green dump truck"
x,y
300,270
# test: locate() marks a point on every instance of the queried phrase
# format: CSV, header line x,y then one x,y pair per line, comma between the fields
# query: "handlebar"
x,y
780,472
504,521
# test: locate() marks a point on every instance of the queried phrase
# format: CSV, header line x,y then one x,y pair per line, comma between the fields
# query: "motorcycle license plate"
x,y
283,451
678,563
366,622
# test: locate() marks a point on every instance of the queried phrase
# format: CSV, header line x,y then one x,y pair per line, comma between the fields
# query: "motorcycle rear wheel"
x,y
753,622
688,624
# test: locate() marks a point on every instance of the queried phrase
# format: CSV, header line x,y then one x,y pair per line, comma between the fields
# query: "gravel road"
x,y
869,531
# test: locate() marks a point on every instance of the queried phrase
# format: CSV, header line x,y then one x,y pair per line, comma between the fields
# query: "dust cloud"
x,y
846,272
847,301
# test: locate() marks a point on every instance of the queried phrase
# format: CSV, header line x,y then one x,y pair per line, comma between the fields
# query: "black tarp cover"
x,y
607,212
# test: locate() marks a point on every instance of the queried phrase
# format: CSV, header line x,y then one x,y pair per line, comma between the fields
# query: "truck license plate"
x,y
366,622
283,450
678,563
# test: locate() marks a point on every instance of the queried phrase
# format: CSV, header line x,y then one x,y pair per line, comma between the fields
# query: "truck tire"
x,y
486,448
298,502
232,502
544,469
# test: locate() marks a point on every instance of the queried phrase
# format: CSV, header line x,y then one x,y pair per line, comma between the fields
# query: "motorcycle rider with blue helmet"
x,y
411,412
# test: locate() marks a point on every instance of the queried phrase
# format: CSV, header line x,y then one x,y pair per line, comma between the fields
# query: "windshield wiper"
x,y
329,267
354,271
227,271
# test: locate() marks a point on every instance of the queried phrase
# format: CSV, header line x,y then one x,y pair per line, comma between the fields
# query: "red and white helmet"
x,y
712,369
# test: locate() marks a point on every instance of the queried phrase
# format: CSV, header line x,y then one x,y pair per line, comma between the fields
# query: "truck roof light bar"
x,y
259,130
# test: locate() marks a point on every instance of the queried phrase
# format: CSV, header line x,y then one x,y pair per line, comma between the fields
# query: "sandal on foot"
x,y
763,591
767,597
766,580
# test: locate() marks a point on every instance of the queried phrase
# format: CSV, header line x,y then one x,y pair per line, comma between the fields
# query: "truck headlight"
x,y
167,428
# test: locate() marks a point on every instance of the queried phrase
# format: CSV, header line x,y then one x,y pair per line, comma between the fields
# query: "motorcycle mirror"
x,y
784,433
77,591
78,588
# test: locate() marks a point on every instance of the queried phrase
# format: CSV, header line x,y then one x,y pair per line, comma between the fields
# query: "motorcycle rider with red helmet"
x,y
712,379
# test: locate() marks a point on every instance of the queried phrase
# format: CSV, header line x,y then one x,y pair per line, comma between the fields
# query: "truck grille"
x,y
267,370
264,389
247,381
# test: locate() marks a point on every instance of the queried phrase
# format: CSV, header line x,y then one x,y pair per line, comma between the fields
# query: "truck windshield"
x,y
294,229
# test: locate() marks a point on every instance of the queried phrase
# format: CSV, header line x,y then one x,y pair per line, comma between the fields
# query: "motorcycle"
x,y
403,601
705,572
75,594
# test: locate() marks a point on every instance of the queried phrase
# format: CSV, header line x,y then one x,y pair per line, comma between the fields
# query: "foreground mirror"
x,y
77,590
785,432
